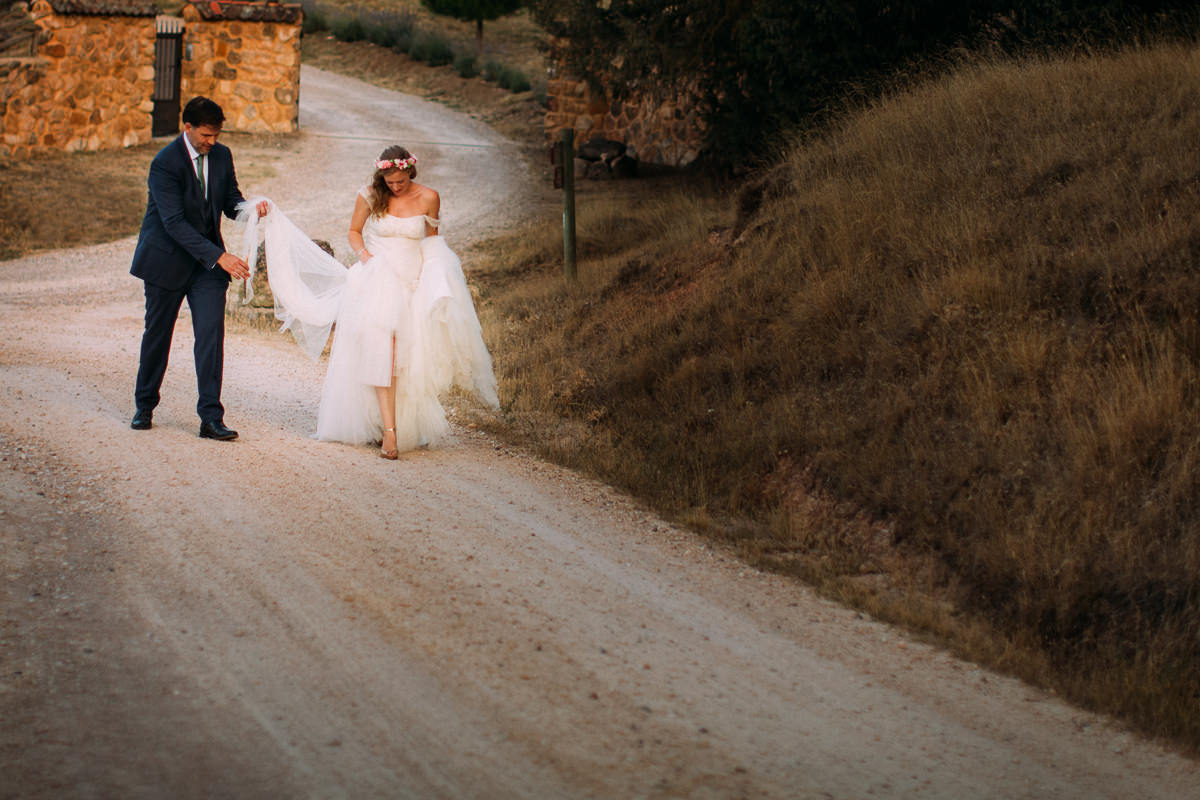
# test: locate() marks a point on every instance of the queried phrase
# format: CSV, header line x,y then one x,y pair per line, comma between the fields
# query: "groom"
x,y
180,254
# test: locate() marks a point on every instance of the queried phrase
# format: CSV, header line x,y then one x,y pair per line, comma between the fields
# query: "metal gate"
x,y
168,55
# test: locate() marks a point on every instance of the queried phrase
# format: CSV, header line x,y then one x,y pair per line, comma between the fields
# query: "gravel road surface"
x,y
280,617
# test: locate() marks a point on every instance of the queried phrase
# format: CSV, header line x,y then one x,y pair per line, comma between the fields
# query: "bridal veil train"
x,y
405,312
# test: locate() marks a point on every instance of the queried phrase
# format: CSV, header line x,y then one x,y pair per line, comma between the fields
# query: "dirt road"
x,y
279,617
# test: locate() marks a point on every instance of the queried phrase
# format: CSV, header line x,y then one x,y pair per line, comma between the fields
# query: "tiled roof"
x,y
107,8
245,10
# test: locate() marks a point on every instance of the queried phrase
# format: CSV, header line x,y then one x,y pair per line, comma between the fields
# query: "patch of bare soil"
x,y
107,192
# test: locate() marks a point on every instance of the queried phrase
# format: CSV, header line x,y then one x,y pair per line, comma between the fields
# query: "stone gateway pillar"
x,y
246,57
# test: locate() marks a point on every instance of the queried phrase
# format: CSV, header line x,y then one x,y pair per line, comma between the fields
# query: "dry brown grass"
x,y
104,193
35,194
949,369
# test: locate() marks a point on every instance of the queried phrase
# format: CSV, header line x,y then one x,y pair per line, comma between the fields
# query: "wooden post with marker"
x,y
566,156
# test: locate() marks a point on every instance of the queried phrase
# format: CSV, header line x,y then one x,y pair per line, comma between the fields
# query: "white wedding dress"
x,y
406,312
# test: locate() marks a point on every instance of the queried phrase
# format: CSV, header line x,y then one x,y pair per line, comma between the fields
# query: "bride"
x,y
406,329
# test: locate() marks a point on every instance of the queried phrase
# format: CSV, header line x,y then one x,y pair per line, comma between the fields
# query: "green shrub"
x,y
466,66
389,29
418,48
314,21
492,70
380,35
404,40
432,48
513,79
348,29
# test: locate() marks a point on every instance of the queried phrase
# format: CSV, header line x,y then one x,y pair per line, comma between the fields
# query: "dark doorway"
x,y
168,55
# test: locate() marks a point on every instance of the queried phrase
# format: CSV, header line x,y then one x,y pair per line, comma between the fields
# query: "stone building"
x,y
87,74
246,56
82,78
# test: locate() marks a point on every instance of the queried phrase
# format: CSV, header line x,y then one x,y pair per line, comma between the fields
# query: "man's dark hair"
x,y
201,111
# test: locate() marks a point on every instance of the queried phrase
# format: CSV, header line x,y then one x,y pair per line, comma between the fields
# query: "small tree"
x,y
476,11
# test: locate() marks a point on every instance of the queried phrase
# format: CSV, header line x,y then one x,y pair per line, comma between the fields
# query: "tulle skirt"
x,y
407,313
425,334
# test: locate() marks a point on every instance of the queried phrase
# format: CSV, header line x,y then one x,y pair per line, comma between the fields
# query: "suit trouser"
x,y
205,293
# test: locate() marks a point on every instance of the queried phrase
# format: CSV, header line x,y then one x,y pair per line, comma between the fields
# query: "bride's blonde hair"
x,y
379,189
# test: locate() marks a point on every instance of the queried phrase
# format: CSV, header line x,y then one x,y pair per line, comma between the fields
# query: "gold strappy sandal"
x,y
390,455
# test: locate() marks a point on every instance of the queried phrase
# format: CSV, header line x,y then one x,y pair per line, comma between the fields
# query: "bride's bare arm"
x,y
357,221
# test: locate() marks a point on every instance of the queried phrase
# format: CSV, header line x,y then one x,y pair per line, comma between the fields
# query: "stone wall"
x,y
656,131
87,88
246,57
89,83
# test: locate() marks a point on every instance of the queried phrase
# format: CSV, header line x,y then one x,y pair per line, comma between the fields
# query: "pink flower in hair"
x,y
396,163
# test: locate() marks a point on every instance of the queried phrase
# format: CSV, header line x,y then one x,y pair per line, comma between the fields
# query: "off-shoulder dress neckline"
x,y
431,220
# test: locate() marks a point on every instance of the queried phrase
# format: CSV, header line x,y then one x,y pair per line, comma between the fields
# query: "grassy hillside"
x,y
943,360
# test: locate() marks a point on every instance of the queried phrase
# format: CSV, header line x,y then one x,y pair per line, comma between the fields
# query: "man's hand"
x,y
236,268
263,207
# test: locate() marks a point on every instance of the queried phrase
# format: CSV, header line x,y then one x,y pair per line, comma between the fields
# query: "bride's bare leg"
x,y
386,395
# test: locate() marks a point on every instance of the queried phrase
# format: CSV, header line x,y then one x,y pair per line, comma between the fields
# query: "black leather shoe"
x,y
216,430
143,420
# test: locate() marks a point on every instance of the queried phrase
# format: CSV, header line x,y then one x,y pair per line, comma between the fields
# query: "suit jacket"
x,y
178,233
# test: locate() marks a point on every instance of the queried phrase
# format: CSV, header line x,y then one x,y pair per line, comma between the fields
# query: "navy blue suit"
x,y
176,257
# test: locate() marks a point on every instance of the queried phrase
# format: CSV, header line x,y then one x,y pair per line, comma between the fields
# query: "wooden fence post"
x,y
567,154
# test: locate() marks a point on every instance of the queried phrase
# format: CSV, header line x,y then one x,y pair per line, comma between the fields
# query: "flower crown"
x,y
396,163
